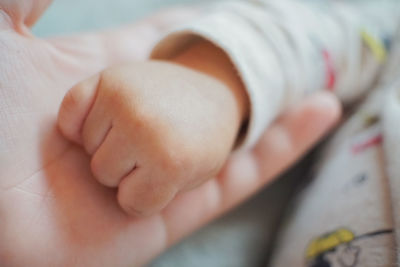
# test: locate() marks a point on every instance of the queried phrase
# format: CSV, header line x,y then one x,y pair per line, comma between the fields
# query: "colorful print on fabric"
x,y
370,120
330,70
340,243
370,135
376,46
371,142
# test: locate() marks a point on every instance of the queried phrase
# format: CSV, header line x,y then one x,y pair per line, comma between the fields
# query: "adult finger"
x,y
282,144
94,51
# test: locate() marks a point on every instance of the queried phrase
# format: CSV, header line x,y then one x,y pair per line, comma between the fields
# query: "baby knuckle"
x,y
88,142
125,203
97,168
106,86
154,198
113,85
130,204
143,119
73,98
177,160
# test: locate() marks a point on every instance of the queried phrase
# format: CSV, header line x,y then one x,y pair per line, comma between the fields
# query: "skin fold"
x,y
53,212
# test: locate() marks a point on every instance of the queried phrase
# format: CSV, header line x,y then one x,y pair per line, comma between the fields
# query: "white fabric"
x,y
357,190
277,48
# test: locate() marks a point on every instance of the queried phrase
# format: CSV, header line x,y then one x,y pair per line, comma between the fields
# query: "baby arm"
x,y
154,129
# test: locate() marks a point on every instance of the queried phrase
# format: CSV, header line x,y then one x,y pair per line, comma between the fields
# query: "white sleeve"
x,y
284,49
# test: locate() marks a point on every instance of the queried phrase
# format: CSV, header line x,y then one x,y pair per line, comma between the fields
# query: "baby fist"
x,y
152,129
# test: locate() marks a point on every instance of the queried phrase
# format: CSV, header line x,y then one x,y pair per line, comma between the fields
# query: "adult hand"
x,y
52,211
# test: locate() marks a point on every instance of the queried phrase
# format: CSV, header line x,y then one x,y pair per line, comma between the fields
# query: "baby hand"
x,y
152,129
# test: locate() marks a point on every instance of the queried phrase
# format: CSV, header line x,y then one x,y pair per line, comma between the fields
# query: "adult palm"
x,y
52,211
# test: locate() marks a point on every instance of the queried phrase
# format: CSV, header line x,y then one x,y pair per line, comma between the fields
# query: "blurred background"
x,y
69,16
241,238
